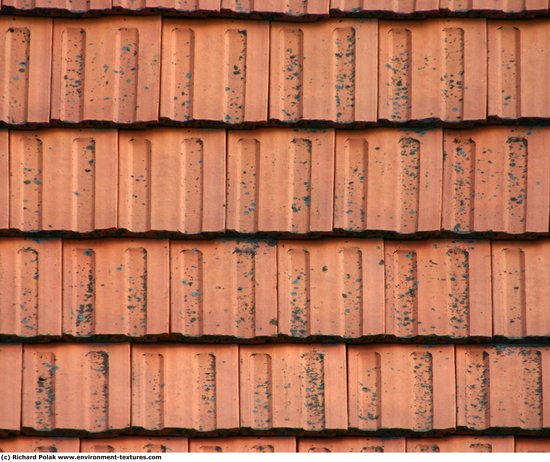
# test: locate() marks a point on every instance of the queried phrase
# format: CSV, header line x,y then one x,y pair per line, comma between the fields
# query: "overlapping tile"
x,y
462,444
4,180
293,386
532,444
324,71
351,444
106,69
243,444
30,444
55,6
384,6
185,387
331,287
82,387
493,6
10,387
408,387
293,8
135,444
173,180
179,6
214,71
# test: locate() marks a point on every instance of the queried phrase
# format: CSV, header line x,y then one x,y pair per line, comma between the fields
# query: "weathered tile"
x,y
63,179
293,386
76,387
180,6
532,444
331,287
494,6
106,69
351,444
395,6
135,444
214,70
280,180
32,444
408,387
224,287
289,7
325,70
388,179
10,387
69,6
243,444
462,444
4,180
115,287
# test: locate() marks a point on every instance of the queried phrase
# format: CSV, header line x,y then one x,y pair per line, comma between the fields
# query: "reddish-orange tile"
x,y
532,444
401,387
293,386
182,6
224,287
73,6
503,387
280,180
10,387
388,179
518,71
462,444
185,386
351,444
27,444
496,179
63,179
115,287
4,180
288,7
214,70
30,297
433,69
76,387
508,6
438,288
243,444
25,67
324,71
331,287
135,444
106,69
186,166
520,288
395,6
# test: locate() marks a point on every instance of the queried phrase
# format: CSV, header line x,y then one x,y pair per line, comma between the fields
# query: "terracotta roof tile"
x,y
293,386
331,287
432,69
496,179
185,387
188,166
4,180
72,6
63,179
180,6
532,444
280,180
438,288
28,444
509,6
216,71
99,72
244,444
117,287
135,444
490,395
351,444
422,376
76,387
25,67
395,6
374,191
462,444
10,387
324,71
289,7
30,298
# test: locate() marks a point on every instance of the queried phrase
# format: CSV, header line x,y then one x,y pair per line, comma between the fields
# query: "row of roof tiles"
x,y
278,444
281,180
97,388
345,288
340,71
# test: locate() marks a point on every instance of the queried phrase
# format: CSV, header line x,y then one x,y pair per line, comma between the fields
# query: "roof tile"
x,y
135,444
10,387
288,7
72,6
395,6
351,444
4,180
532,444
243,444
31,444
181,6
462,444
509,6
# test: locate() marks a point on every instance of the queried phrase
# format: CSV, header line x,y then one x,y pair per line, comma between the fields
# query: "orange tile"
x,y
63,179
433,69
72,6
288,7
280,180
293,386
331,287
508,6
116,287
28,444
243,444
181,6
388,179
351,444
438,287
4,180
395,6
186,166
520,288
106,69
224,287
401,387
10,387
185,387
324,71
214,70
135,444
25,67
462,444
76,387
503,387
496,179
30,298
532,444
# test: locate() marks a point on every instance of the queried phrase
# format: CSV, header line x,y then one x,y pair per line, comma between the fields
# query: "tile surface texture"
x,y
135,444
244,444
